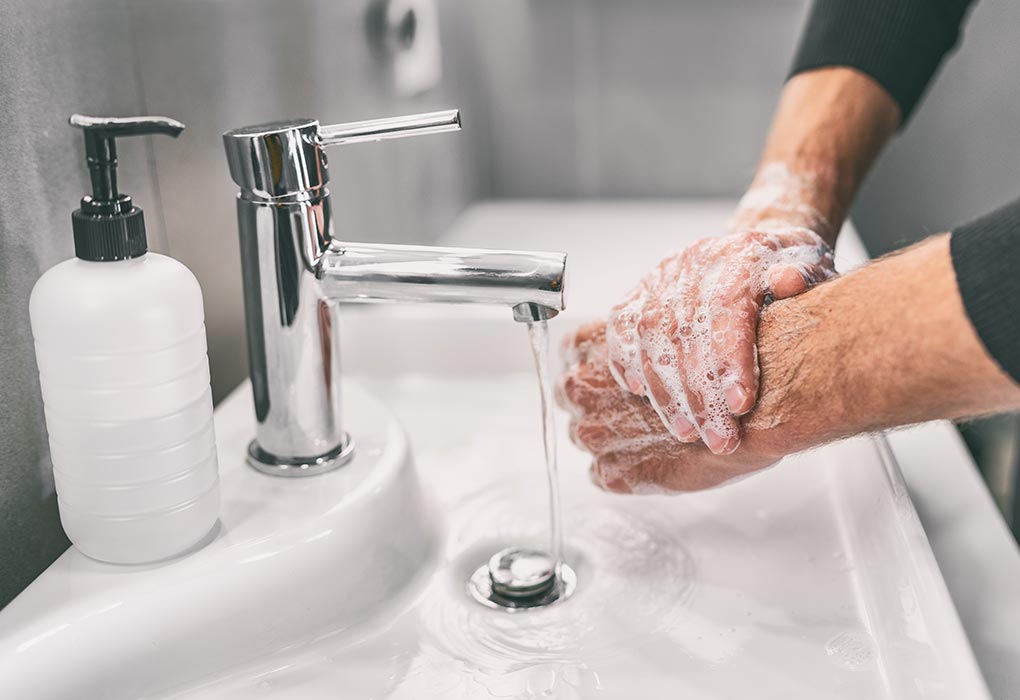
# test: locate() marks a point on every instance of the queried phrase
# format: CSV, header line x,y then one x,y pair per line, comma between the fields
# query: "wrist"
x,y
786,196
802,401
885,346
829,126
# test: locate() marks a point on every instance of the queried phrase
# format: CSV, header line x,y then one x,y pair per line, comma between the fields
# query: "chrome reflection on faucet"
x,y
295,274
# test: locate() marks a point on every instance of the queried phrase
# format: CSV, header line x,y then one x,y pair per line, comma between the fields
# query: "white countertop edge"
x,y
976,552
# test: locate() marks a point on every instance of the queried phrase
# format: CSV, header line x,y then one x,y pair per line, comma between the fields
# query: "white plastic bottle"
x,y
121,348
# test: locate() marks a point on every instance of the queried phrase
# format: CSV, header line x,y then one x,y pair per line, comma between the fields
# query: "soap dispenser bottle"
x,y
121,348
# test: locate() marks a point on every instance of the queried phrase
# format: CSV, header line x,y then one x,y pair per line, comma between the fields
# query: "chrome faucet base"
x,y
278,466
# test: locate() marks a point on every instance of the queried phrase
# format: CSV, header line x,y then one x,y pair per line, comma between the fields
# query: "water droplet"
x,y
855,650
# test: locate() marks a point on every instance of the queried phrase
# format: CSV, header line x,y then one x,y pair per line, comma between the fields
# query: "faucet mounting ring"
x,y
278,466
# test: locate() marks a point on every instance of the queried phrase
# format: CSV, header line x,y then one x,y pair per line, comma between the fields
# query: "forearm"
x,y
829,127
859,72
887,345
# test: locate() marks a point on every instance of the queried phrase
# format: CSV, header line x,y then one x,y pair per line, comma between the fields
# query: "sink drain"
x,y
518,578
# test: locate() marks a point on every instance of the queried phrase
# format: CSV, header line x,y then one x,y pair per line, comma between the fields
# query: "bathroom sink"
x,y
812,579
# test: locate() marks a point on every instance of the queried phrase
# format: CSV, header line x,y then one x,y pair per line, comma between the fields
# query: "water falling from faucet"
x,y
519,577
538,333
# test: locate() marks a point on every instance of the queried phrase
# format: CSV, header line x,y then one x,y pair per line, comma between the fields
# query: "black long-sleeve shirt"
x,y
900,44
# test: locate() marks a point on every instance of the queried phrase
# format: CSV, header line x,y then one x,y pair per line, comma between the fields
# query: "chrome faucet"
x,y
296,274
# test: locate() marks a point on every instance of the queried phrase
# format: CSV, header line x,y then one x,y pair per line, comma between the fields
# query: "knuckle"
x,y
570,386
595,436
572,434
611,474
562,400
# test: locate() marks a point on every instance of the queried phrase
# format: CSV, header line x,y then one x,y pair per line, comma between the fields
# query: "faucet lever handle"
x,y
389,128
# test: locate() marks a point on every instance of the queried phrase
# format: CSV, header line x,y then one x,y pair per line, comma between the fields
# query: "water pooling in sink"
x,y
637,580
717,595
520,578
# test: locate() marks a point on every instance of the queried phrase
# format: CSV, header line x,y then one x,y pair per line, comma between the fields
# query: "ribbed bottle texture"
x,y
121,349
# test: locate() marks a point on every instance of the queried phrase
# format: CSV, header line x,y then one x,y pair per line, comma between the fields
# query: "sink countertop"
x,y
976,552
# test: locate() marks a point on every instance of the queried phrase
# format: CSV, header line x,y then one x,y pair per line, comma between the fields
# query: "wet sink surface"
x,y
772,587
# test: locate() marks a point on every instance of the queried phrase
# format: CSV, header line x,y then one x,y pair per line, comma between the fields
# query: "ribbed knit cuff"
x,y
986,258
899,43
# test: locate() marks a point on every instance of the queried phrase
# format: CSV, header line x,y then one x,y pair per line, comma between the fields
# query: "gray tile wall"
x,y
645,98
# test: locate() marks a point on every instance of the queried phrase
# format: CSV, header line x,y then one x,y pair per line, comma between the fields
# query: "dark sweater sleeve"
x,y
899,43
986,258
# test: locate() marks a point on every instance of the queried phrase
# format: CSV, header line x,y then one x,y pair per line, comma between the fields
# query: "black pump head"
x,y
108,226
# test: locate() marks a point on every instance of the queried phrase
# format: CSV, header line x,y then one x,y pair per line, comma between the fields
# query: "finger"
x,y
608,475
702,384
572,434
733,353
576,347
585,389
622,345
598,476
560,396
595,437
621,331
787,281
642,471
627,429
660,363
733,325
589,389
663,340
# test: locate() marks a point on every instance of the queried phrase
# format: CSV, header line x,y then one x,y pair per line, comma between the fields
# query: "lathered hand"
x,y
889,344
685,337
632,452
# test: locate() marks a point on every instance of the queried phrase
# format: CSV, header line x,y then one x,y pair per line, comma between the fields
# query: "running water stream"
x,y
522,577
538,333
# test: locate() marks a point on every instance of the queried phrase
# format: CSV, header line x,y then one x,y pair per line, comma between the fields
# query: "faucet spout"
x,y
361,272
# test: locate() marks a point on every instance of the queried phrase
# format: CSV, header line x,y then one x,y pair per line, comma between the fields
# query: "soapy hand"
x,y
632,451
830,368
685,336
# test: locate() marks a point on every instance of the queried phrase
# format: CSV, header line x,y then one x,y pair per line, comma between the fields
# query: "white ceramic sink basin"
x,y
811,580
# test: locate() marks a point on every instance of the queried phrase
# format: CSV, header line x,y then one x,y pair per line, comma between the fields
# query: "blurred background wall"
x,y
561,99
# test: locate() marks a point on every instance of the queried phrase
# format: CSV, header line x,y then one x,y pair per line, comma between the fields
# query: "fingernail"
x,y
684,428
720,445
736,399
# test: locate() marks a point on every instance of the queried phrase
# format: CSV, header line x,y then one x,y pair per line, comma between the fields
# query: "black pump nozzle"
x,y
108,226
